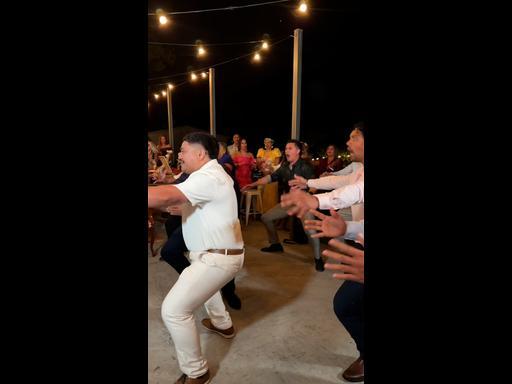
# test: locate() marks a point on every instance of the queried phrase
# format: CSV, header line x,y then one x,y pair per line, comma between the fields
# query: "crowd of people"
x,y
205,243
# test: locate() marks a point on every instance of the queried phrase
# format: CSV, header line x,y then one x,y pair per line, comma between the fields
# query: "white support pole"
x,y
212,102
171,128
297,75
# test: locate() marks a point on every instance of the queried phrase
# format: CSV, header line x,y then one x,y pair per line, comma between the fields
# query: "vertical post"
x,y
169,119
297,75
212,102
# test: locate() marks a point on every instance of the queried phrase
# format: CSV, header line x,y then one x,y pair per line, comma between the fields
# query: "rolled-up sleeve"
x,y
354,228
342,197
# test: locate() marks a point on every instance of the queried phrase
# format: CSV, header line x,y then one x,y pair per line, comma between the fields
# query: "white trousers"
x,y
198,284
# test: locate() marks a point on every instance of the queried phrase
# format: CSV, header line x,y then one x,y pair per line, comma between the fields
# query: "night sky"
x,y
255,99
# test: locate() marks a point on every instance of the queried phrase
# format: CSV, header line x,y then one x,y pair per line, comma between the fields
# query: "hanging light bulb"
x,y
193,77
201,51
303,7
204,75
264,45
156,96
257,57
170,86
164,93
162,17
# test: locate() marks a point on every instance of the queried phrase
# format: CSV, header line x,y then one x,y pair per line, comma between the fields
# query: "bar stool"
x,y
250,208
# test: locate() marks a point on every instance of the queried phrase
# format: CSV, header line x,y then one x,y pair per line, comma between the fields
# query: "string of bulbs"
x,y
164,20
201,73
201,51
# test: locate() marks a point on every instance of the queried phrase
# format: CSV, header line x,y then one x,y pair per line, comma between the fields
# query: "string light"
x,y
164,93
201,51
225,8
303,7
162,17
264,45
204,75
205,45
218,64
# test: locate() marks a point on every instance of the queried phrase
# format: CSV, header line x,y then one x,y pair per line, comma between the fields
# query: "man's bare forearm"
x,y
164,196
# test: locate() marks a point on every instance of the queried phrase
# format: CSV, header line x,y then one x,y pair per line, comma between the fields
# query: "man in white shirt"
x,y
348,300
212,233
235,147
347,190
352,167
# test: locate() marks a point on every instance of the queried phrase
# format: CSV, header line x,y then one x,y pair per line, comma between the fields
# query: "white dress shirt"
x,y
347,191
210,218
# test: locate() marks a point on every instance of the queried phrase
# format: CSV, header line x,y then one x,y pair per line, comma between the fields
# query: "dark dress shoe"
x,y
355,373
233,301
319,265
276,247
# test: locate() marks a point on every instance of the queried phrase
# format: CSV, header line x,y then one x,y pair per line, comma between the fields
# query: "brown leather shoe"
x,y
355,373
226,333
204,379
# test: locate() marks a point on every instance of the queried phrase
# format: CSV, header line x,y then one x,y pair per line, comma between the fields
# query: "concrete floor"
x,y
286,330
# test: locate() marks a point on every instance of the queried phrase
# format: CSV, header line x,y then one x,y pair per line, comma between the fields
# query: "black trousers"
x,y
348,307
173,252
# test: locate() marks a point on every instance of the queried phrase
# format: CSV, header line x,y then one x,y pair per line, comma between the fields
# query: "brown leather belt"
x,y
227,251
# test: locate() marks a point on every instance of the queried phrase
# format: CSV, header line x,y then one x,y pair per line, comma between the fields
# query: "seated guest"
x,y
331,163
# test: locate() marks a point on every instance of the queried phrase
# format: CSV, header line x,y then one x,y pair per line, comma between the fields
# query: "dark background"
x,y
75,263
255,99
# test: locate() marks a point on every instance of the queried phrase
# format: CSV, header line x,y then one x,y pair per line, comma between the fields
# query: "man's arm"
x,y
352,167
342,197
325,183
299,202
330,182
262,181
163,196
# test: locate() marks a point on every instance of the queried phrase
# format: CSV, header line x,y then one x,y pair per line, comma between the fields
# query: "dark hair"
x,y
360,126
297,143
223,145
208,142
336,149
